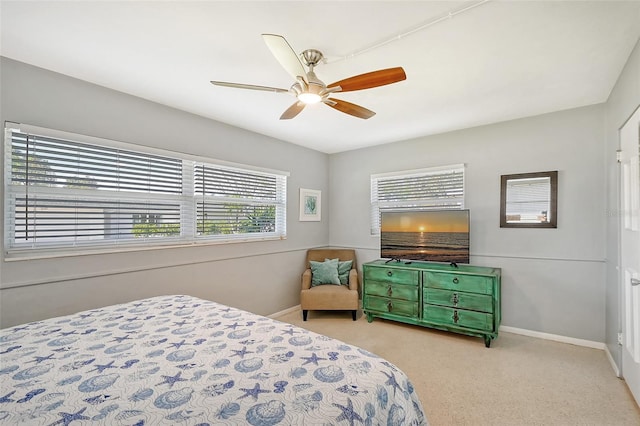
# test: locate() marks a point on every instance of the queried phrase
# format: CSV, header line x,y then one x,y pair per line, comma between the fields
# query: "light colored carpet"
x,y
518,381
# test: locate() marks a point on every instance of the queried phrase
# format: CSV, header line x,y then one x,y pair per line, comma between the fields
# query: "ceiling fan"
x,y
309,89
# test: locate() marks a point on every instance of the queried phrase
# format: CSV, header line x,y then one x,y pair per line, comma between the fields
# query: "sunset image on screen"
x,y
433,221
431,235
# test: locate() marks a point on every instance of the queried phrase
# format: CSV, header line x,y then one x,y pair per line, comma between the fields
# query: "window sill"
x,y
22,255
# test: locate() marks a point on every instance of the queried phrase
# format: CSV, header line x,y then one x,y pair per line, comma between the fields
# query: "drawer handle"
x,y
455,280
456,317
389,306
389,291
389,273
455,299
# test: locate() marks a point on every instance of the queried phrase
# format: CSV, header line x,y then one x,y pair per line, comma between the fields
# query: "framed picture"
x,y
310,206
529,200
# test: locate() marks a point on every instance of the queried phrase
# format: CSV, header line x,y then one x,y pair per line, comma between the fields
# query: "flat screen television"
x,y
428,235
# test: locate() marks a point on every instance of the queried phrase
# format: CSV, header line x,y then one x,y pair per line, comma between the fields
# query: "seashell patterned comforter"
x,y
188,361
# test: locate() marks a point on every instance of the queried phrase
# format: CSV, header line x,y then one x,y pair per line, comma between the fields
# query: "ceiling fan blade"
x,y
371,79
249,86
287,57
349,108
292,111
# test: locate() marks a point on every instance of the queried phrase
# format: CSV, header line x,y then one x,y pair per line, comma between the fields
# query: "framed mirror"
x,y
529,200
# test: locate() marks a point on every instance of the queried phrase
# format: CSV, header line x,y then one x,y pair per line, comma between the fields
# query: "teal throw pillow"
x,y
343,270
324,272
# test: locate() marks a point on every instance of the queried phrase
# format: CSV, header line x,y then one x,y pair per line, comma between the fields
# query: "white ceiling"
x,y
496,61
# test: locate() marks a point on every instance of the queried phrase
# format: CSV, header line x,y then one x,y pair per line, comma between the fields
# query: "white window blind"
x,y
424,189
63,193
236,202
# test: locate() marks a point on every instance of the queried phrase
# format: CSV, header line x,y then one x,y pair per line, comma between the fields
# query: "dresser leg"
x,y
353,314
487,341
304,314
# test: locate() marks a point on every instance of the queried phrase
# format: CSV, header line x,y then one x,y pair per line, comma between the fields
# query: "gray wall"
x,y
262,277
624,99
553,279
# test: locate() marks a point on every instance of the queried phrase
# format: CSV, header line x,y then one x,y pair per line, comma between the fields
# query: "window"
x,y
68,191
529,200
424,189
231,202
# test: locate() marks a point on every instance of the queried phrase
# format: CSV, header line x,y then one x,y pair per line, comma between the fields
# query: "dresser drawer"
x,y
396,291
457,317
392,275
458,299
391,306
459,282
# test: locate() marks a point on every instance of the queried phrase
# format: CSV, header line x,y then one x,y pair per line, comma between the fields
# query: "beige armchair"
x,y
330,296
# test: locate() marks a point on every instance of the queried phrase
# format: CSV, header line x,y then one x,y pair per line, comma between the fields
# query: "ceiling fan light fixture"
x,y
313,92
309,98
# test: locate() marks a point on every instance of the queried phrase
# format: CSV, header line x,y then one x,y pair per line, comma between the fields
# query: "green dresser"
x,y
463,299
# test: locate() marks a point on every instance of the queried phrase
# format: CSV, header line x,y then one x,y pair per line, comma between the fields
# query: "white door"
x,y
630,252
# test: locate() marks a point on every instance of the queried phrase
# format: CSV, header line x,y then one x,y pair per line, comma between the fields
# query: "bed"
x,y
183,360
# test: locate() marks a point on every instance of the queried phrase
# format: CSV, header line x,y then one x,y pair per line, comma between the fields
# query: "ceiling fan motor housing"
x,y
311,57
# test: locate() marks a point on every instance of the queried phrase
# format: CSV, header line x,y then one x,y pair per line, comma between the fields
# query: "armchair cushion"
x,y
343,270
324,272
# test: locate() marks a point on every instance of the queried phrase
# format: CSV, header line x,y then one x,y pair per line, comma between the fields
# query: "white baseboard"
x,y
284,312
554,337
565,339
612,361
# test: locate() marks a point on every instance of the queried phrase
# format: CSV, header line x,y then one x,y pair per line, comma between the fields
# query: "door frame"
x,y
619,263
